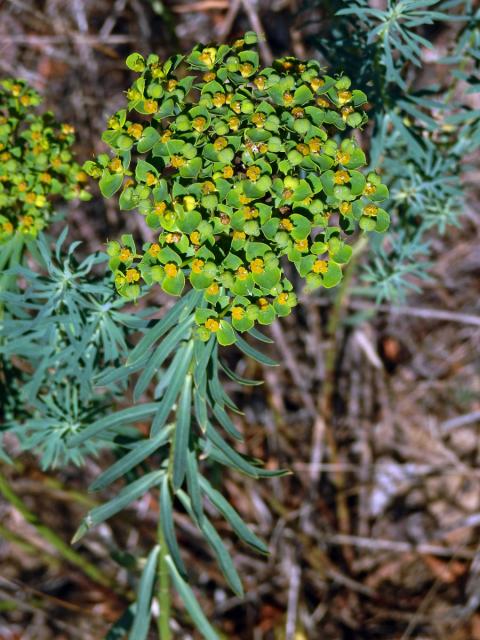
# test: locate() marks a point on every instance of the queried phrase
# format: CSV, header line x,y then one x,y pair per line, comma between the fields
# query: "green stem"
x,y
65,551
164,596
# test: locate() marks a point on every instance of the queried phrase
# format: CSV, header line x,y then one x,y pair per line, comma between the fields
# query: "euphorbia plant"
x,y
36,167
238,170
234,167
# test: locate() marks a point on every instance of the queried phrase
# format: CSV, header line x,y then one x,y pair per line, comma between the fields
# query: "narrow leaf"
x,y
141,622
182,434
251,352
229,513
125,497
190,602
166,522
132,414
142,450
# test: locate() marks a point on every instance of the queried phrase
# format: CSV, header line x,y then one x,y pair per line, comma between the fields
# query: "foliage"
x,y
63,328
36,165
238,166
421,134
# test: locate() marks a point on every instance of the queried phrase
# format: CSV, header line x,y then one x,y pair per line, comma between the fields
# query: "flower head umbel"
x,y
36,164
234,167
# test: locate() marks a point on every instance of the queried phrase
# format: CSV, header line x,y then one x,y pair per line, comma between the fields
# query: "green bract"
x,y
36,163
235,166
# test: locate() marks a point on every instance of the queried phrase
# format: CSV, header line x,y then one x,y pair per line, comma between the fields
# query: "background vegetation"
x,y
374,406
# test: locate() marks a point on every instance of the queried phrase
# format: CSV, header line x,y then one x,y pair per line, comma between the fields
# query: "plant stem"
x,y
65,551
164,598
326,399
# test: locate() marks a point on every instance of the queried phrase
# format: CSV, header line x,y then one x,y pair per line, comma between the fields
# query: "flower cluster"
x,y
235,166
35,162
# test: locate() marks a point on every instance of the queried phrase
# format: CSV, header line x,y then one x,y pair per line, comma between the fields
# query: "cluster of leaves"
x,y
421,134
237,166
189,422
61,329
36,165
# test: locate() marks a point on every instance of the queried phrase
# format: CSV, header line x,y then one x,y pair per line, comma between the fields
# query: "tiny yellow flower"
x,y
151,179
242,273
346,111
46,178
246,69
259,118
239,235
316,83
219,99
212,325
125,254
262,303
213,289
234,123
177,161
135,130
282,298
238,313
197,265
320,266
115,165
345,208
253,173
341,177
303,148
195,237
257,265
286,224
343,157
302,245
208,187
220,143
323,102
370,210
228,172
199,123
369,189
150,106
154,250
208,56
171,84
315,145
171,270
67,129
26,221
209,76
7,227
166,135
159,208
260,82
344,96
132,275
